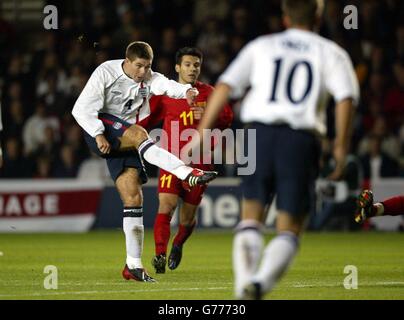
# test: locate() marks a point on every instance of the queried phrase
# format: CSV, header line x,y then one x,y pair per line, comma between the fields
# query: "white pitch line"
x,y
367,284
39,294
23,283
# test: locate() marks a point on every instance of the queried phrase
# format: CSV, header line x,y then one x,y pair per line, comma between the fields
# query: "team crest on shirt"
x,y
144,92
117,125
116,97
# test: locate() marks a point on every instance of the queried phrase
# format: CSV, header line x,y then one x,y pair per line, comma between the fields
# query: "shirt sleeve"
x,y
238,73
90,102
340,78
160,85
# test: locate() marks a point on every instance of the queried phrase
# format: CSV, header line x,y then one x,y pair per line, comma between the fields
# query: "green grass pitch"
x,y
89,267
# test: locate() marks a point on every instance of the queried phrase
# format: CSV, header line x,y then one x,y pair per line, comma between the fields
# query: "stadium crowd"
x,y
43,72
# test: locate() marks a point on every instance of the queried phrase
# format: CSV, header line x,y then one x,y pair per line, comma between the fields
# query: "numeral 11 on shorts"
x,y
165,179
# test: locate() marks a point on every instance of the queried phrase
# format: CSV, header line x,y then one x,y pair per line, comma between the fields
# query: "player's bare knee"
x,y
136,135
133,200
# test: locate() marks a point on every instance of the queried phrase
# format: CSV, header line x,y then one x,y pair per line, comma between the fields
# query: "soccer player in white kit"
x,y
115,98
290,75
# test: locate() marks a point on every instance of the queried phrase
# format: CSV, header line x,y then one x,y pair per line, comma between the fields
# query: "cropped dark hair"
x,y
301,12
187,51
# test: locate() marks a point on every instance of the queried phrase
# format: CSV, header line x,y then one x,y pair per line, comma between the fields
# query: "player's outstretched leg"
x,y
198,177
364,206
137,138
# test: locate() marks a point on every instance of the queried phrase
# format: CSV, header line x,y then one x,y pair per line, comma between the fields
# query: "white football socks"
x,y
163,159
276,259
134,233
247,248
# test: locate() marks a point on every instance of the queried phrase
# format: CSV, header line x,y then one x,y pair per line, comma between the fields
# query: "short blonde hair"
x,y
139,49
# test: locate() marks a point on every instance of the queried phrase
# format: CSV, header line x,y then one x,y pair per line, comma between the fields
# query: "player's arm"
x,y
342,83
344,114
87,107
161,85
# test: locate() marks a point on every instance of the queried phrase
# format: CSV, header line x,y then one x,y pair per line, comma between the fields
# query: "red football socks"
x,y
394,206
183,234
161,233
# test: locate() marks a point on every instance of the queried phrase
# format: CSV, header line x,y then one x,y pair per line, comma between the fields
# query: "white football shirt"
x,y
110,90
290,75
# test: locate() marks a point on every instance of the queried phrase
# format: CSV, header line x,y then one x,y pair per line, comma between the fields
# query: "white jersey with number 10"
x,y
290,75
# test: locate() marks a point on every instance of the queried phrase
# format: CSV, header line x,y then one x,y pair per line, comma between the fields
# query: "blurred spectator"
x,y
49,147
15,121
34,129
43,168
376,163
390,142
93,168
205,9
74,138
394,102
15,165
66,166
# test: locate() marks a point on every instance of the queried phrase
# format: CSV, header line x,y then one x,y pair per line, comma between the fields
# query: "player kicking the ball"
x,y
115,98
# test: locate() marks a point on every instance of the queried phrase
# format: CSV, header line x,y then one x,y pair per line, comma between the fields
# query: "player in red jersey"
x,y
179,116
393,206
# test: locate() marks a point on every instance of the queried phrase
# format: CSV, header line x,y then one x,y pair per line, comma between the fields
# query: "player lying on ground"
x,y
366,208
179,115
115,98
